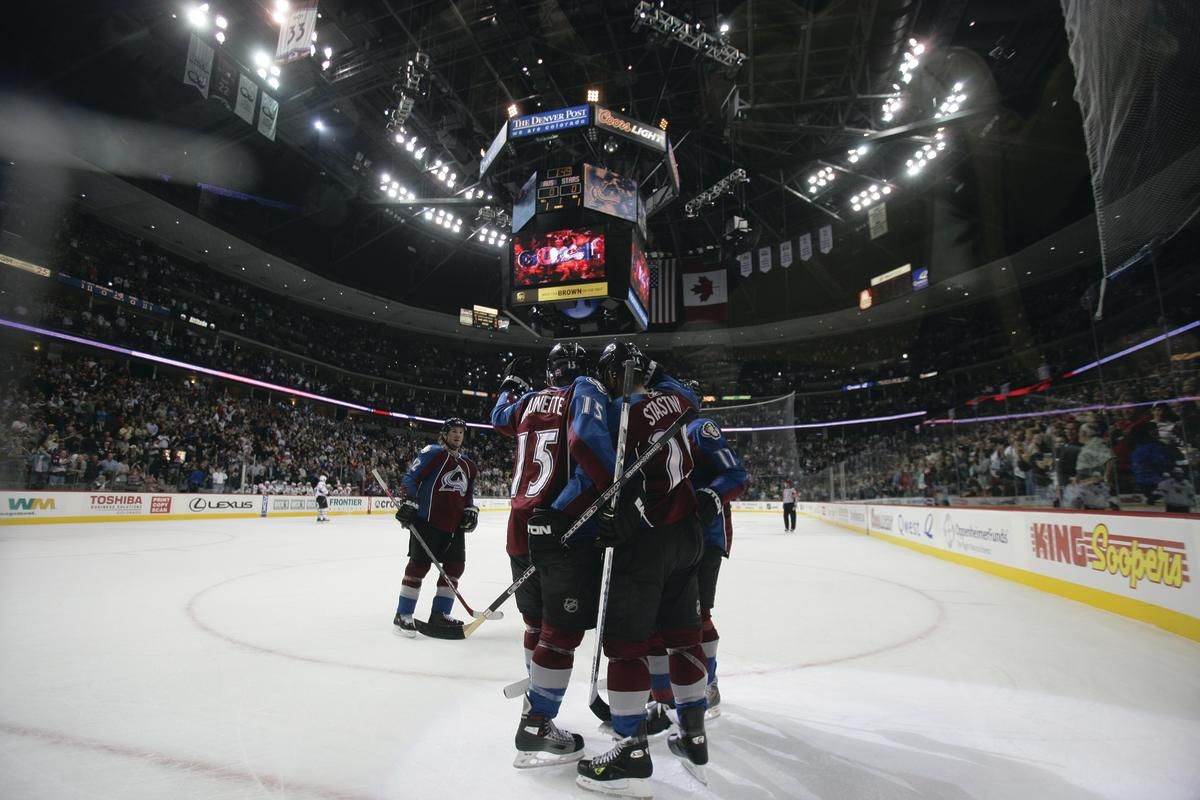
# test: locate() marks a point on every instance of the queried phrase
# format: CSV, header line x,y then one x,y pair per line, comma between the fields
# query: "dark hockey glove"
x,y
620,525
651,371
406,512
545,529
513,382
708,506
470,519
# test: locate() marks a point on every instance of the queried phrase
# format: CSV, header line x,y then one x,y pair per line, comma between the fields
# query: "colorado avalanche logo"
x,y
454,481
709,430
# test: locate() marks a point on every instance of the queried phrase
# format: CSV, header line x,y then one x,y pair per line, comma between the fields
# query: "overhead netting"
x,y
1136,66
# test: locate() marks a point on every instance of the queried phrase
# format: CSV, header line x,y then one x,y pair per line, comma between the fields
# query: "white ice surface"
x,y
255,659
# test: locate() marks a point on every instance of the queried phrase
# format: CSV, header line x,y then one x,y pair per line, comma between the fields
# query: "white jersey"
x,y
789,495
321,490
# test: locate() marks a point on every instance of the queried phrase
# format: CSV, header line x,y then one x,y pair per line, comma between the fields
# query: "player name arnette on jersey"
x,y
545,404
661,406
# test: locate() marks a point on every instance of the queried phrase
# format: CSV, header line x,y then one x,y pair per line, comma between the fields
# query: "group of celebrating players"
x,y
664,534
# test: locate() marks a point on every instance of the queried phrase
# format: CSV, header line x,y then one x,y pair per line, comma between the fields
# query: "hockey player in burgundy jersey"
x,y
564,460
653,592
439,501
718,479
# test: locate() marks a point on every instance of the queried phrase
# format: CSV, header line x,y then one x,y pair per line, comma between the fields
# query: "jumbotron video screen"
x,y
570,255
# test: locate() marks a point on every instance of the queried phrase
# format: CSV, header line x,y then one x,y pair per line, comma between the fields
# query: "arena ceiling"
x,y
813,87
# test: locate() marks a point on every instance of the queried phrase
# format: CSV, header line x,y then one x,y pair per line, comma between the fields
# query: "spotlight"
x,y
513,110
318,124
261,59
220,37
664,123
593,95
223,23
197,16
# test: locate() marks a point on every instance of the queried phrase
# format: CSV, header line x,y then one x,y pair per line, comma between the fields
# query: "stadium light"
x,y
513,110
593,95
197,16
318,124
220,37
222,23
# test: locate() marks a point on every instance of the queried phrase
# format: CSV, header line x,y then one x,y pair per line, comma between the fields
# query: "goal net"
x,y
763,437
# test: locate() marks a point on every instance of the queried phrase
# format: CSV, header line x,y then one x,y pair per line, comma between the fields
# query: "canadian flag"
x,y
705,293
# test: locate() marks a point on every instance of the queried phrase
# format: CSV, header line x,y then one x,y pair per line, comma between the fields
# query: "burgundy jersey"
x,y
669,494
443,484
564,455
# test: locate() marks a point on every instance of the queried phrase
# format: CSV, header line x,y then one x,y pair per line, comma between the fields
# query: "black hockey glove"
x,y
511,381
545,529
620,525
651,370
470,519
708,506
406,512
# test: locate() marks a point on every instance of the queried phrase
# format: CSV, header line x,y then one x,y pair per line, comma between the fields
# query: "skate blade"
x,y
697,771
396,629
627,787
712,713
534,759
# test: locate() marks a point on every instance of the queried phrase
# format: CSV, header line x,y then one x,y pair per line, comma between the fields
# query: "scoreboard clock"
x,y
559,188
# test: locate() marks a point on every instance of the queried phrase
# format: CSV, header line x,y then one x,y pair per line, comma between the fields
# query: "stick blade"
x,y
472,626
452,632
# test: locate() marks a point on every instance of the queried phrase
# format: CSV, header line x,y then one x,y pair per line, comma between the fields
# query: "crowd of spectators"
x,y
301,347
79,421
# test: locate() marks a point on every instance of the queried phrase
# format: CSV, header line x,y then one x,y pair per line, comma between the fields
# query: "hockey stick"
x,y
606,575
453,584
589,512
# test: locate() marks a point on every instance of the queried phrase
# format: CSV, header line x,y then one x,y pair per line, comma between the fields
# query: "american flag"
x,y
662,291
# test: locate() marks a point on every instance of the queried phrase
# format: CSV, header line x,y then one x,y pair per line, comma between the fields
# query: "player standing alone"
x,y
321,492
439,503
562,425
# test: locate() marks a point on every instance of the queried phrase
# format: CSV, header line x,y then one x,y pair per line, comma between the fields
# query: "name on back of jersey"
x,y
661,406
549,403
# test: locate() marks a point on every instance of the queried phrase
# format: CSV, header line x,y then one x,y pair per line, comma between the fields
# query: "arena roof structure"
x,y
959,111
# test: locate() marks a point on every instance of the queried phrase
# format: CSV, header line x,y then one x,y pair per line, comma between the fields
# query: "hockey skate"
x,y
623,771
404,626
713,695
691,744
658,721
541,743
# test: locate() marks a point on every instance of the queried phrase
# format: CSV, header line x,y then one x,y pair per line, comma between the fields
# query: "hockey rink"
x,y
256,659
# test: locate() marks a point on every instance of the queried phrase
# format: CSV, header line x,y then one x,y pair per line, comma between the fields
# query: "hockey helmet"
x,y
612,363
452,422
566,362
321,479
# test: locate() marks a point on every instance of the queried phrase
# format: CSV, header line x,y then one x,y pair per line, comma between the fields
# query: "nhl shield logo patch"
x,y
570,605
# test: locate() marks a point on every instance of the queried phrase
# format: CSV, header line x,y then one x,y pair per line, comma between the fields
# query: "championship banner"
x,y
746,264
764,259
225,81
246,99
785,254
199,65
826,238
268,112
654,138
806,247
877,219
296,32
